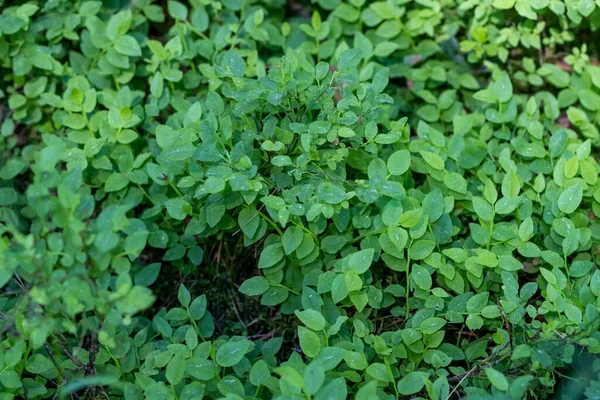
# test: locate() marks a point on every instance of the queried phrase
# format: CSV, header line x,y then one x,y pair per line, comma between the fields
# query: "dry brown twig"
x,y
461,378
506,324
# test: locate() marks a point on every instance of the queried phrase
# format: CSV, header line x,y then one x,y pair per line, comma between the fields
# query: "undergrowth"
x,y
321,199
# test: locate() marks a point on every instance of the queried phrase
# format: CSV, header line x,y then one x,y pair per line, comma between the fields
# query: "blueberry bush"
x,y
285,199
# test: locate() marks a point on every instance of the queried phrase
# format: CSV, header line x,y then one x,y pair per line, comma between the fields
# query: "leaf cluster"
x,y
418,182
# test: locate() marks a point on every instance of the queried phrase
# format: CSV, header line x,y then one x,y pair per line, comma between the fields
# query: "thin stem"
x,y
306,230
95,61
407,294
185,46
391,375
196,327
247,122
87,122
318,46
491,227
174,187
217,371
271,222
568,272
118,134
174,394
61,372
196,31
117,363
287,288
146,195
364,235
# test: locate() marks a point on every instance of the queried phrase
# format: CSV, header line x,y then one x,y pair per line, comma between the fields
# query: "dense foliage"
x,y
404,193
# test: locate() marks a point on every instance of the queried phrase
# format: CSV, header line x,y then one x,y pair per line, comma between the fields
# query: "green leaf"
x,y
570,198
195,112
314,377
367,391
486,96
503,89
332,244
10,379
74,121
198,307
147,275
232,64
177,10
421,277
39,364
360,261
474,322
497,379
274,296
309,342
128,46
412,383
380,80
456,182
432,325
312,319
433,160
573,313
184,296
462,124
176,369
176,208
580,268
595,283
260,373
478,302
511,184
90,8
255,286
291,239
338,288
504,4
378,371
384,49
509,263
291,376
270,256
349,59
330,193
346,12
433,205
116,182
399,162
191,338
483,209
526,229
12,168
519,386
118,24
232,353
421,249
330,357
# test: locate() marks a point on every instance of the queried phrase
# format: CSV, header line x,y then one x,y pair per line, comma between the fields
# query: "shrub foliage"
x,y
411,186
